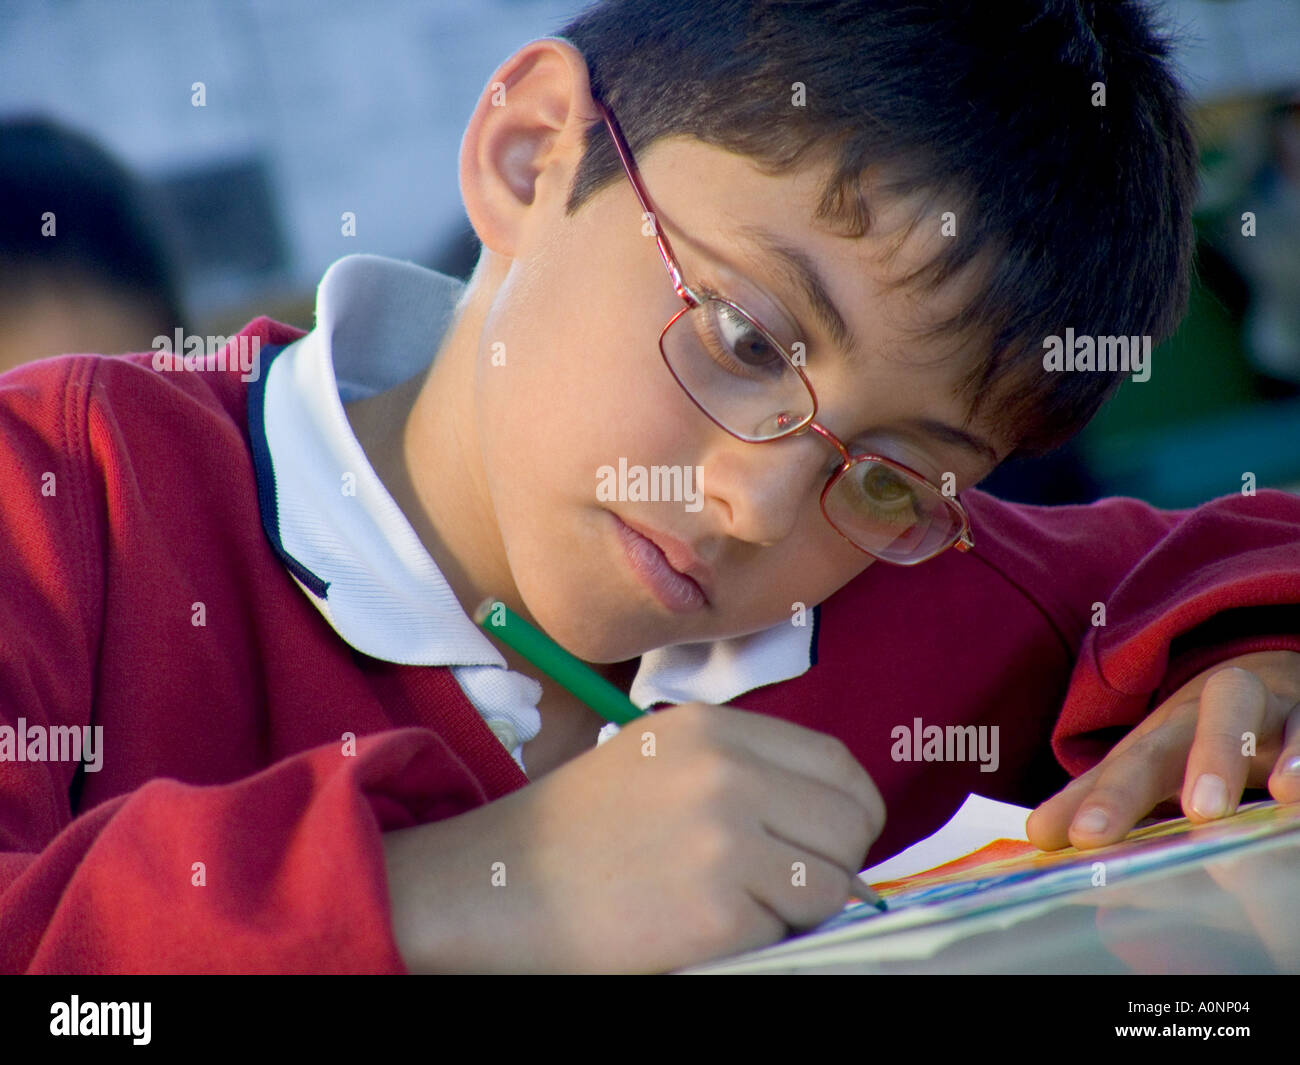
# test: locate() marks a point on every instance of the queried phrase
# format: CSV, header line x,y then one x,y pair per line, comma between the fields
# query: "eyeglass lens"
x,y
735,372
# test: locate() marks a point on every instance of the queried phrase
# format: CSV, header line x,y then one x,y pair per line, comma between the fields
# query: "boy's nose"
x,y
765,490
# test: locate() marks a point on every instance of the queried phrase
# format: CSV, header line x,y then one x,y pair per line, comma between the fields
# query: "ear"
x,y
525,140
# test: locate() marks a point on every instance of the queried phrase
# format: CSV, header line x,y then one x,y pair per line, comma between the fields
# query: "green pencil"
x,y
583,681
553,660
863,892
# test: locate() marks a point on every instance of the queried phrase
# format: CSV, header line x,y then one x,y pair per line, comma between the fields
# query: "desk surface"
x,y
1237,913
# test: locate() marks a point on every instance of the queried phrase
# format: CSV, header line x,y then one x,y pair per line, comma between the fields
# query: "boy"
x,y
312,760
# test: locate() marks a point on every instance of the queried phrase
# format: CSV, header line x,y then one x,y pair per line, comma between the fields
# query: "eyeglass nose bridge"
x,y
829,437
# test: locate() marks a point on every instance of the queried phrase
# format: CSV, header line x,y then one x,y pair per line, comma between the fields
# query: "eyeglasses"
x,y
747,383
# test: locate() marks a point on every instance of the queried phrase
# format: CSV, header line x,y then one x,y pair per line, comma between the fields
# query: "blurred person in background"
x,y
1272,266
83,259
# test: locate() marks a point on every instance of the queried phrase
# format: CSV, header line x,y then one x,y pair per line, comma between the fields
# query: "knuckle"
x,y
838,762
1123,782
836,755
1225,734
715,849
1114,796
1155,745
859,832
698,721
683,714
719,918
718,777
1234,681
841,817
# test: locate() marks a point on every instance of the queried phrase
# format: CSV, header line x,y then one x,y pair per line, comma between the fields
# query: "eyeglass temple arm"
x,y
665,248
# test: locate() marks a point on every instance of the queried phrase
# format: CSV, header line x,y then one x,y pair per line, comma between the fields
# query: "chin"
x,y
602,639
604,648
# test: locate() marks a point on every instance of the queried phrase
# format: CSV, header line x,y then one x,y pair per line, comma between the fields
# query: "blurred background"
x,y
203,206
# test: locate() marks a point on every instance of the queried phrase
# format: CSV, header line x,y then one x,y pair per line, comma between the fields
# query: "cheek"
x,y
561,390
829,565
812,565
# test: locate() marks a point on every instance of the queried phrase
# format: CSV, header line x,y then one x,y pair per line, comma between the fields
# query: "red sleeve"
x,y
292,876
1224,581
294,879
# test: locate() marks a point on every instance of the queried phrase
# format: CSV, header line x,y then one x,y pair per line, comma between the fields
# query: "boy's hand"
x,y
696,832
1236,725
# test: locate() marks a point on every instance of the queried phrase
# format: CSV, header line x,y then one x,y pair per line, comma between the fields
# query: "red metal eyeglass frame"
x,y
962,541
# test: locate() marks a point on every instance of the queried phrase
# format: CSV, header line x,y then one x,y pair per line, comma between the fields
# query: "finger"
x,y
1233,702
1284,782
1132,783
802,889
805,752
1048,827
821,820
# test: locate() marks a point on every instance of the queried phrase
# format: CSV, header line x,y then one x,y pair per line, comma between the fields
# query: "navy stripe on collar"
x,y
265,475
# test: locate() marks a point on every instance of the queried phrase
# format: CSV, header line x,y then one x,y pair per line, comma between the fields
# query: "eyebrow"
x,y
950,434
800,269
797,267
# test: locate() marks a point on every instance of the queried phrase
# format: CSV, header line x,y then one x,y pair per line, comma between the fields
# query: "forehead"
x,y
722,206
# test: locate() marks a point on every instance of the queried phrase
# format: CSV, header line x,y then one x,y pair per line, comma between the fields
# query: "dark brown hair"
x,y
1078,215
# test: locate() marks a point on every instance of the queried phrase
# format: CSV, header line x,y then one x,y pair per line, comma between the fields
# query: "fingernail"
x,y
1210,796
1292,768
1092,821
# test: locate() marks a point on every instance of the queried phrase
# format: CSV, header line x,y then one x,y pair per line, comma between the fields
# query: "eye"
x,y
888,489
743,340
735,342
877,493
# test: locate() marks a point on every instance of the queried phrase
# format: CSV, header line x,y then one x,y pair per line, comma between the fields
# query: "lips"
x,y
673,571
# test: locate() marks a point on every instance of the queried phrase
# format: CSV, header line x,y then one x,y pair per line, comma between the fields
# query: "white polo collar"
x,y
378,323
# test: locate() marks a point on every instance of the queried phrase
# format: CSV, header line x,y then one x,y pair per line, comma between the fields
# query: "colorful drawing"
x,y
1008,871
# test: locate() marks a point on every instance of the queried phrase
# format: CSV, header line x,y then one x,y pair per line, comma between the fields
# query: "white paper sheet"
x,y
978,823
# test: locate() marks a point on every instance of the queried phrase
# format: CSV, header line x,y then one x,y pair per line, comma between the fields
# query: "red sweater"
x,y
222,742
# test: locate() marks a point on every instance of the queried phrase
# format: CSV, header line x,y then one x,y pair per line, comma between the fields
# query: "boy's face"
x,y
569,379
558,345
